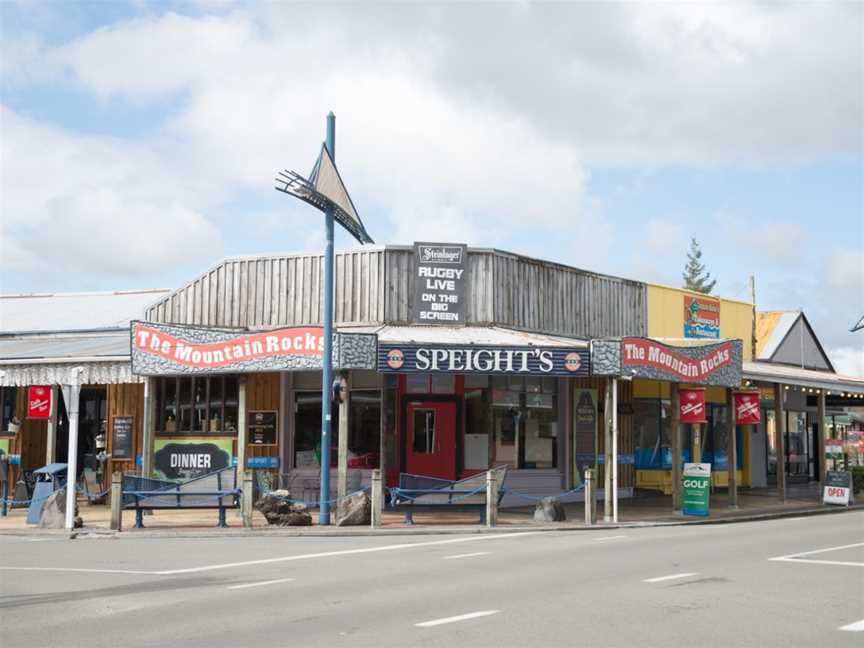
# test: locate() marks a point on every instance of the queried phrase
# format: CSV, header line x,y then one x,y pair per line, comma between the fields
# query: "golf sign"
x,y
696,481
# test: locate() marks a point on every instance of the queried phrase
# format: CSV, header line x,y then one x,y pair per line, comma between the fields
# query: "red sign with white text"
x,y
747,408
302,341
692,405
640,352
38,401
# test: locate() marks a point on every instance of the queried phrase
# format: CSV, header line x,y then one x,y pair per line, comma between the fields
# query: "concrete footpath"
x,y
644,510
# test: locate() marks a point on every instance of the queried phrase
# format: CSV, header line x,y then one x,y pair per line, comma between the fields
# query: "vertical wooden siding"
x,y
262,393
125,400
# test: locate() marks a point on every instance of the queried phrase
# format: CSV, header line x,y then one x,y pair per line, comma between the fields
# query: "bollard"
x,y
377,498
117,500
246,500
491,498
590,501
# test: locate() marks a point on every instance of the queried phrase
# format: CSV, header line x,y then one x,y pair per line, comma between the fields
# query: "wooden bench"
x,y
419,493
216,490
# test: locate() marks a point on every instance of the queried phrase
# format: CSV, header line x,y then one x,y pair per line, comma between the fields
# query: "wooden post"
x,y
607,452
780,441
675,431
117,500
246,499
342,474
242,428
51,440
491,498
732,450
821,458
614,455
148,427
377,498
696,446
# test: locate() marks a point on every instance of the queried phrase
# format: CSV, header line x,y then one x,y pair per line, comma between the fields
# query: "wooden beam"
x,y
821,458
675,431
731,450
780,440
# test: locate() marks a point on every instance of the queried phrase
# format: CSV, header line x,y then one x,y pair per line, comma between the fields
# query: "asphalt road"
x,y
713,585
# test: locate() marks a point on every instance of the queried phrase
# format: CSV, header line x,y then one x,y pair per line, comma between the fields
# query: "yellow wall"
x,y
666,316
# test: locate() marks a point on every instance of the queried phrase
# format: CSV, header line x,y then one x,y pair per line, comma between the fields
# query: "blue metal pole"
x,y
327,364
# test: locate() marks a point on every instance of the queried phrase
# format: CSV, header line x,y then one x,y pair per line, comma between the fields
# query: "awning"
x,y
467,335
786,375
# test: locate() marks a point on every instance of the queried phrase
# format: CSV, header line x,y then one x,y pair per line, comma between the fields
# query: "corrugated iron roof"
x,y
95,347
771,328
465,335
784,374
89,311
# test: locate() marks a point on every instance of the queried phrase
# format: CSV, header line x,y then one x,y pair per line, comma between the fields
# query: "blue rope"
x,y
313,503
14,502
92,495
534,498
402,494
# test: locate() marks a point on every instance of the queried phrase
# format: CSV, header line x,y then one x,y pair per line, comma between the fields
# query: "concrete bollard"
x,y
246,500
590,501
491,498
117,500
377,498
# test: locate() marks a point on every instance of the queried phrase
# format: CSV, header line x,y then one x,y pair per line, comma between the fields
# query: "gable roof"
x,y
774,343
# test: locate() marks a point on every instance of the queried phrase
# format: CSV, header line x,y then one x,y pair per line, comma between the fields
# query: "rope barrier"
x,y
535,498
313,503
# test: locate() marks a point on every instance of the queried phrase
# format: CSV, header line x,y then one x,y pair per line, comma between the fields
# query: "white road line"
x,y
260,583
454,619
268,561
471,555
858,626
618,537
798,557
660,579
818,551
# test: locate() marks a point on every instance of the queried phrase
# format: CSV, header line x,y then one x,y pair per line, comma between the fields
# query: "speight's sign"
x,y
546,361
168,349
710,364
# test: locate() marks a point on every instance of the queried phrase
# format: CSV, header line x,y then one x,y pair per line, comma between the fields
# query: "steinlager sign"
x,y
696,482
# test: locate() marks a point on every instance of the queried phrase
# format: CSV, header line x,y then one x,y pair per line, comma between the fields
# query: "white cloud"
x,y
778,242
848,361
664,237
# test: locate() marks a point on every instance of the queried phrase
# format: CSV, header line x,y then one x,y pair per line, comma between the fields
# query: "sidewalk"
x,y
646,509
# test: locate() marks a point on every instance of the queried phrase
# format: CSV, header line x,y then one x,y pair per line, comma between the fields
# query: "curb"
x,y
349,532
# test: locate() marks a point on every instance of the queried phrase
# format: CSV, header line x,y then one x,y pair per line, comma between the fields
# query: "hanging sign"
x,y
451,358
38,402
262,428
747,408
692,405
122,434
701,317
439,283
169,349
838,487
695,488
707,364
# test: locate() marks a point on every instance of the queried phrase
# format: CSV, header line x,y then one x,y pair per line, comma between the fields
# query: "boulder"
x,y
356,510
549,510
279,512
53,514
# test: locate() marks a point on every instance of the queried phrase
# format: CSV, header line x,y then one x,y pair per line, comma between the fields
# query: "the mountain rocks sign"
x,y
167,349
548,361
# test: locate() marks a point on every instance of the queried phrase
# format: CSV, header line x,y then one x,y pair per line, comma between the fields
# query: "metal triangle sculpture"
x,y
324,189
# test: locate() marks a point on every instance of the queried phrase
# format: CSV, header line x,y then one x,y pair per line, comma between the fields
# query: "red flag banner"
x,y
38,402
692,405
747,408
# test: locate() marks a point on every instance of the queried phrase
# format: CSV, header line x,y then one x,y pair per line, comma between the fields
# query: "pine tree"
x,y
695,277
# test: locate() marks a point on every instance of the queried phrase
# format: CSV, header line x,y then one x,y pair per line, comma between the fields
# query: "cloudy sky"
x,y
139,141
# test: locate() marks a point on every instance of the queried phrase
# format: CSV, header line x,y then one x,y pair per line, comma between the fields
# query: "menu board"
x,y
122,435
439,280
262,428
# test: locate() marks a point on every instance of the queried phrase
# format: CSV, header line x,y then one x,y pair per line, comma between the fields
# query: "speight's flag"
x,y
324,189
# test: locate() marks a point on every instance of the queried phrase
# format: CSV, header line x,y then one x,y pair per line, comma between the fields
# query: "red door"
x,y
431,440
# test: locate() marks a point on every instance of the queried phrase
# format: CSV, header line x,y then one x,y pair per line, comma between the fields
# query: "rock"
x,y
279,512
355,511
53,514
549,510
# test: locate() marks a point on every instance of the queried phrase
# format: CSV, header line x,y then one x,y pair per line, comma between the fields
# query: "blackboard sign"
x,y
439,283
262,428
122,431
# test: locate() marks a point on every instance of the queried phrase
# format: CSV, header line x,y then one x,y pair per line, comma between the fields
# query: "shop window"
x,y
7,407
424,431
477,425
364,429
442,383
524,424
199,405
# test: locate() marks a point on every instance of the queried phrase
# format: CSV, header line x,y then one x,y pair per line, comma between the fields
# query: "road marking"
x,y
261,583
471,555
454,619
660,579
799,557
858,626
268,561
618,537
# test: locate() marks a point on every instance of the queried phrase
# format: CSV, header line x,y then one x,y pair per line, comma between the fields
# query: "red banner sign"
x,y
303,341
38,402
640,352
747,408
692,405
